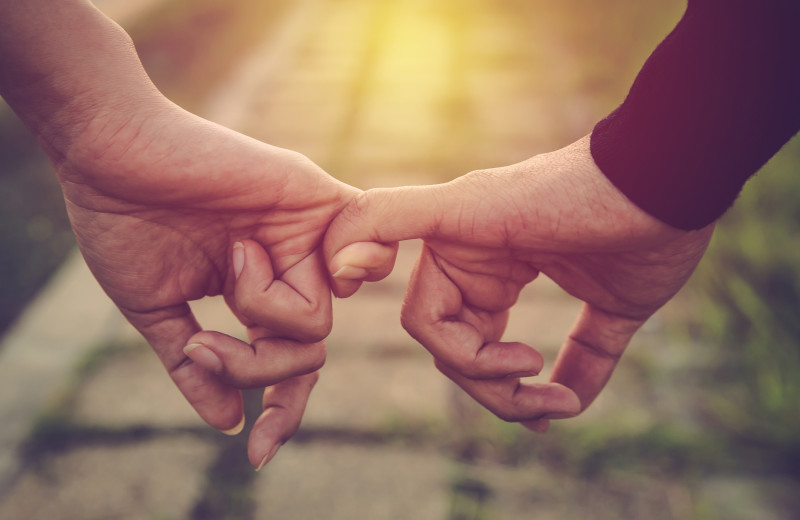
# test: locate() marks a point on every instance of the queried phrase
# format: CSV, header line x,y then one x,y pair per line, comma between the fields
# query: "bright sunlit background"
x,y
702,419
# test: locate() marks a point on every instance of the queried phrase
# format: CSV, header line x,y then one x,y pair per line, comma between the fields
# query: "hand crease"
x,y
595,349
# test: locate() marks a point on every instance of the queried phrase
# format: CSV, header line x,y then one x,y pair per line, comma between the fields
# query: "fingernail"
x,y
190,347
236,430
349,272
238,259
204,357
269,456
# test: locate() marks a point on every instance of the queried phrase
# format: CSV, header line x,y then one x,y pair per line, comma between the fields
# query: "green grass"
x,y
750,280
34,229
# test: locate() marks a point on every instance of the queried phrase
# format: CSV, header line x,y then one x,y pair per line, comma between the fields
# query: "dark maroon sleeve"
x,y
716,99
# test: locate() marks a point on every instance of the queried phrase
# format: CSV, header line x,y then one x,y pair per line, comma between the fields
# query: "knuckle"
x,y
475,182
441,367
299,160
246,304
455,365
507,414
318,362
412,321
466,365
357,207
315,327
363,205
310,379
407,318
248,377
511,411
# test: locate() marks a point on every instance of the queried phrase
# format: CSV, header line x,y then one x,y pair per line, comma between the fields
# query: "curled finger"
x,y
296,304
360,262
263,362
283,405
466,339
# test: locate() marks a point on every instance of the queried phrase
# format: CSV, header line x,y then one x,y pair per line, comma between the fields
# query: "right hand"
x,y
490,233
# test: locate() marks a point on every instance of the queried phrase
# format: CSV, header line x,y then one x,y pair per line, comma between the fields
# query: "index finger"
x,y
512,400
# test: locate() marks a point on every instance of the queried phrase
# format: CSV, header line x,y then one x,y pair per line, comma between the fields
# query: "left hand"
x,y
157,199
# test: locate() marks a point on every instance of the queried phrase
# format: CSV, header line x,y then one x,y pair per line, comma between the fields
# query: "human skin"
x,y
490,233
168,208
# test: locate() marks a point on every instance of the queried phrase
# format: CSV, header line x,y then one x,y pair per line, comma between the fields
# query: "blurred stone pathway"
x,y
379,93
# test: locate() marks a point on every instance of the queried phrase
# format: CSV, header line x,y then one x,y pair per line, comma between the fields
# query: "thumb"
x,y
361,243
592,350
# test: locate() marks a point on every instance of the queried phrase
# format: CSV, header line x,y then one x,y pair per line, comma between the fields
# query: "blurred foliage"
x,y
612,38
468,498
34,228
751,276
187,46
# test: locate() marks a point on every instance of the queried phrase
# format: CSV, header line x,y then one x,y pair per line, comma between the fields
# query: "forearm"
x,y
712,104
63,63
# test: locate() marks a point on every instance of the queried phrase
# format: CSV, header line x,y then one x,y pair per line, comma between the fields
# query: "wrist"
x,y
609,213
66,66
570,203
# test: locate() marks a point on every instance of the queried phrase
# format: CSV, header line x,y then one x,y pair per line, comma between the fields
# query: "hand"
x,y
490,233
158,198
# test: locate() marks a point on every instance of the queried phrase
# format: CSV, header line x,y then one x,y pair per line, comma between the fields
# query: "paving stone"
x,y
133,389
156,479
345,482
542,323
375,394
69,318
214,314
369,324
530,491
